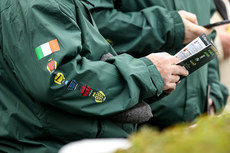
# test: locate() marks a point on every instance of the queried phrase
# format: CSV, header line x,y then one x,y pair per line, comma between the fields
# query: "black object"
x,y
221,8
217,24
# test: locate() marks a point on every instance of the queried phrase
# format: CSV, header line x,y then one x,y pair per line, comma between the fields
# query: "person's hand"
x,y
192,29
224,38
212,108
170,72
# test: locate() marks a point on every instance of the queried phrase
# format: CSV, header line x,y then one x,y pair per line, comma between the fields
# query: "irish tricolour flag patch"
x,y
47,49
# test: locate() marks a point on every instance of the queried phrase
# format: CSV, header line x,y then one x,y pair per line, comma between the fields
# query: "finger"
x,y
207,31
174,60
175,79
212,111
212,108
179,70
210,102
189,16
170,86
200,30
192,17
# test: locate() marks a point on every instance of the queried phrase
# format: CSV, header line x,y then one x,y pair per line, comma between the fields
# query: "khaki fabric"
x,y
224,63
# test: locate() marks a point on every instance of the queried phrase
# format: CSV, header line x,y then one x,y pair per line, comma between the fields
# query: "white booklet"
x,y
197,53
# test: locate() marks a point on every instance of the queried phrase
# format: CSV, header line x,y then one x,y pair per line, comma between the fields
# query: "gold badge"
x,y
59,78
99,96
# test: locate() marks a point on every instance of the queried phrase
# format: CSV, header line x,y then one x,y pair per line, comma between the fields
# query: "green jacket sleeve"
x,y
219,93
54,52
141,32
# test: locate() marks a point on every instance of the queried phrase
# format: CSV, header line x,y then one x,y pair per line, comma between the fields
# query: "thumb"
x,y
207,31
188,16
200,29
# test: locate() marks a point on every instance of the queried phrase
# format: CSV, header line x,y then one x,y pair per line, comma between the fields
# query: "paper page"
x,y
195,46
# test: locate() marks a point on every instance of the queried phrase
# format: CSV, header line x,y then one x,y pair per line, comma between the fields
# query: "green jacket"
x,y
54,88
139,27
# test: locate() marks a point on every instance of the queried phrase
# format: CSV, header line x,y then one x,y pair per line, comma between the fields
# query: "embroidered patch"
x,y
99,96
71,85
86,91
59,78
51,66
47,49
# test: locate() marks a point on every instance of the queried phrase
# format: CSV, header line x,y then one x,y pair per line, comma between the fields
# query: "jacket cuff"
x,y
178,33
219,96
155,75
